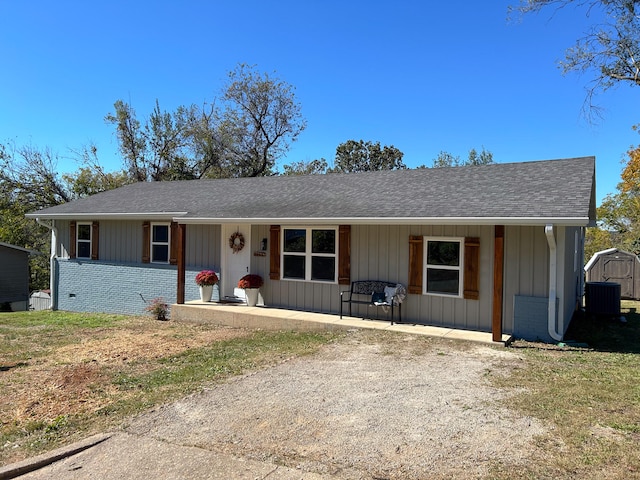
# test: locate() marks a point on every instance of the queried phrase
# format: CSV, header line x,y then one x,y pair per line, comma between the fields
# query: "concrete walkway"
x,y
268,318
119,455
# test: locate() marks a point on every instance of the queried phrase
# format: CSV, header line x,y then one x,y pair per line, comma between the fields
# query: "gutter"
x,y
553,280
185,219
337,220
107,216
52,261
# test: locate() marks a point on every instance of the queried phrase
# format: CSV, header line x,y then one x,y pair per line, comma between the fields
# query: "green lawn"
x,y
590,396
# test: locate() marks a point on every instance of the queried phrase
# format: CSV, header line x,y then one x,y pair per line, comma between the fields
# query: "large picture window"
x,y
309,254
443,266
83,240
160,243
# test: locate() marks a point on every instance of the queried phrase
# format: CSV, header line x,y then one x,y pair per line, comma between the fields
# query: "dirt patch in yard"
x,y
72,379
372,406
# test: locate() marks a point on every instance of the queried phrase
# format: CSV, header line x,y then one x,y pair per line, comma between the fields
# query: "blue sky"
x,y
422,76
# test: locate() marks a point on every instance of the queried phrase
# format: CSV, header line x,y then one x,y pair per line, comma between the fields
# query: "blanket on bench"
x,y
375,293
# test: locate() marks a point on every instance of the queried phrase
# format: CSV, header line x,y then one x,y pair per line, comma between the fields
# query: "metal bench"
x,y
374,293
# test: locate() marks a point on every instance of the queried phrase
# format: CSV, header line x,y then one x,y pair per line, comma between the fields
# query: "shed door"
x,y
619,270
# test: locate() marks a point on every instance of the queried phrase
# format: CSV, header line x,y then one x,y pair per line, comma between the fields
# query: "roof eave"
x,y
107,216
181,217
567,221
20,249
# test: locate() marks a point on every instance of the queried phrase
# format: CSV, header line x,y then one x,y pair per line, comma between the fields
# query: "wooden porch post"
x,y
498,282
181,237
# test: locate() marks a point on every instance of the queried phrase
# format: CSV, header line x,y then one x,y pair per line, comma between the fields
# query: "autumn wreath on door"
x,y
236,242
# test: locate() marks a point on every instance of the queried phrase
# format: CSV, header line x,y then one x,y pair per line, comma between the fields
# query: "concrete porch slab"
x,y
268,318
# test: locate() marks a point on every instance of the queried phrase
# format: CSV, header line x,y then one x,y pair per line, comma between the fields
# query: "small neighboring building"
x,y
616,266
14,277
40,300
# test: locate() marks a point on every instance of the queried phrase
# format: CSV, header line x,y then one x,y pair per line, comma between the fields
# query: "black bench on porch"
x,y
374,293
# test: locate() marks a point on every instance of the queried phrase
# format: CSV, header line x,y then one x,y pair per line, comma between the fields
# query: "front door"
x,y
236,258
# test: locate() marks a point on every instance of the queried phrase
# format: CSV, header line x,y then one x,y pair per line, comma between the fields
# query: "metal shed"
x,y
616,266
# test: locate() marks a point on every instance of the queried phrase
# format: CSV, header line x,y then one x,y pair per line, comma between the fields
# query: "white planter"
x,y
252,296
205,292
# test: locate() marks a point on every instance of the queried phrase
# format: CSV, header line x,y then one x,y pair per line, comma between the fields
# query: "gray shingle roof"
x,y
538,191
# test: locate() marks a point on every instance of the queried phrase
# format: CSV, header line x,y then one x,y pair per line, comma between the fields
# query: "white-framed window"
x,y
443,266
83,240
160,238
310,254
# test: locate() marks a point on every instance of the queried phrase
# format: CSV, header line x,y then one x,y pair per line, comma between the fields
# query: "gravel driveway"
x,y
373,406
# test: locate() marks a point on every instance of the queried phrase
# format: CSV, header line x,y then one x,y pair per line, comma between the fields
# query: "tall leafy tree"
x,y
631,173
89,181
479,158
91,177
360,156
596,240
619,214
31,175
261,118
204,141
131,140
610,53
29,181
618,225
165,133
446,159
153,151
243,135
313,167
610,50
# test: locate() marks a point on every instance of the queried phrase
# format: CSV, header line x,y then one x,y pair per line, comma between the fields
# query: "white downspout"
x,y
581,262
553,280
52,261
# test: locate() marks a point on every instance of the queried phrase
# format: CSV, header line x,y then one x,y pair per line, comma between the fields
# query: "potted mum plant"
x,y
251,284
205,280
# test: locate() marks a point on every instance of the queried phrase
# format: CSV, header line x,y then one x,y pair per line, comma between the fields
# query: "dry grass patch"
x,y
64,375
76,378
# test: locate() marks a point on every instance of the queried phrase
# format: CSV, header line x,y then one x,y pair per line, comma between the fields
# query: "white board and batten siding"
x,y
449,311
203,246
380,252
526,267
526,271
120,241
